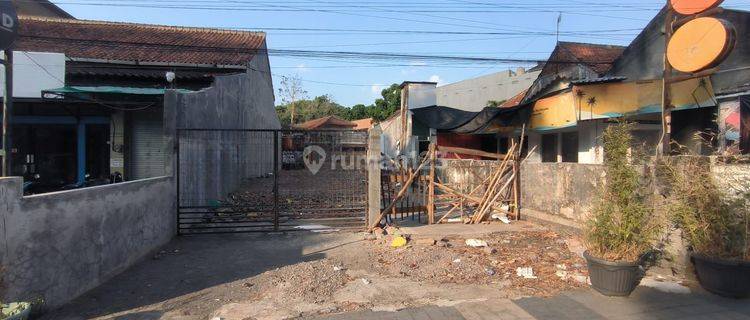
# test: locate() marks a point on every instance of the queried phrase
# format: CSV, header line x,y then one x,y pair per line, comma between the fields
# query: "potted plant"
x,y
715,223
622,228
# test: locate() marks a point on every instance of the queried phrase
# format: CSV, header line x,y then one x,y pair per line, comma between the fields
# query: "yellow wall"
x,y
627,98
554,112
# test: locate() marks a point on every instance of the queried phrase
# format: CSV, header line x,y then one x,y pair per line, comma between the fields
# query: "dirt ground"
x,y
304,275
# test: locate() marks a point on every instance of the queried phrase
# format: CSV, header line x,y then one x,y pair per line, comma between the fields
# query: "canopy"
x,y
112,90
489,120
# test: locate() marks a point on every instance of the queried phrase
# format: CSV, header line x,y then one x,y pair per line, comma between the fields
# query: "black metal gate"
x,y
270,180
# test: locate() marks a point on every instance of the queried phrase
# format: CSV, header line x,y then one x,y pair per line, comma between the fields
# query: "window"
x,y
570,147
549,147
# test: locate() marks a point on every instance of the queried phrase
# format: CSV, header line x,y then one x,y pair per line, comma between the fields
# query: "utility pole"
x,y
7,109
559,20
665,147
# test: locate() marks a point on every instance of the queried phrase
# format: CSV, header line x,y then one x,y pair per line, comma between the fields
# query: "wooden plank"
x,y
471,152
400,195
431,187
469,198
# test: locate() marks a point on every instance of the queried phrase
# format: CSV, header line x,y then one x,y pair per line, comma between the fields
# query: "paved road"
x,y
644,304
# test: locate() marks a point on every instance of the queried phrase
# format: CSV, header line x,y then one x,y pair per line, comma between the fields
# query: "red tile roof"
x,y
515,100
322,123
598,57
363,124
138,42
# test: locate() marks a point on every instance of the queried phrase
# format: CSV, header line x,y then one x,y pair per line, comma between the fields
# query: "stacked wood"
x,y
499,192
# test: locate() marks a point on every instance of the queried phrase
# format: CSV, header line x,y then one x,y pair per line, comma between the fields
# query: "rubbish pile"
x,y
312,282
533,262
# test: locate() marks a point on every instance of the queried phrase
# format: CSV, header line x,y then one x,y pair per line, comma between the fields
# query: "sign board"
x,y
8,24
700,44
688,7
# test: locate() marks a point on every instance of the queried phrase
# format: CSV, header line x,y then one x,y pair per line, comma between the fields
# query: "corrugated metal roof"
x,y
598,80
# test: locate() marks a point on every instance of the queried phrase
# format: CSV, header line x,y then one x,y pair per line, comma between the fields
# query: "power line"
x,y
301,53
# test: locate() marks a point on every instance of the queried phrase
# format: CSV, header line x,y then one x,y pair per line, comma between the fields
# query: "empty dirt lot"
x,y
305,275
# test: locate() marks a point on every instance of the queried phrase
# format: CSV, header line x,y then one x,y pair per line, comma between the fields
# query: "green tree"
x,y
388,104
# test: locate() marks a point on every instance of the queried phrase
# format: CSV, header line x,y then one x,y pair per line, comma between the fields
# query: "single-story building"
x,y
89,94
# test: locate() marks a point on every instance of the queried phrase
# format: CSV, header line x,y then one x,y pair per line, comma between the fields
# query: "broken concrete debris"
x,y
476,243
526,272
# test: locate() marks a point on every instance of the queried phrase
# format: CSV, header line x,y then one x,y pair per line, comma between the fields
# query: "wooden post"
x,y
517,189
431,192
666,102
7,113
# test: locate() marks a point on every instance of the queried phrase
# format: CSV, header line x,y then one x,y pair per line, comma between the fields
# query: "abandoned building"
x,y
90,94
578,92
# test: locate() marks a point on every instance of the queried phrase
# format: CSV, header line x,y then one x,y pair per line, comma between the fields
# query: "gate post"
x,y
373,176
276,156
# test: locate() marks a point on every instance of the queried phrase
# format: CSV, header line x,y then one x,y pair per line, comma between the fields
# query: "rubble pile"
x,y
313,282
534,263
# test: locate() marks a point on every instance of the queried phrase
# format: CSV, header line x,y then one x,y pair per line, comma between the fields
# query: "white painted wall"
x,y
590,149
34,72
535,147
421,95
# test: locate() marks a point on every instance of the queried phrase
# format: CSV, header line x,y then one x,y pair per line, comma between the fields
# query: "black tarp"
x,y
442,118
488,121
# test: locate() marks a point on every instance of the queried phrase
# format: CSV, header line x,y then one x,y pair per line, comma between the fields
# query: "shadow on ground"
x,y
190,264
644,303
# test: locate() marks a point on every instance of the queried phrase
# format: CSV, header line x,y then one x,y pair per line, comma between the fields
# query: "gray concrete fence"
x,y
59,245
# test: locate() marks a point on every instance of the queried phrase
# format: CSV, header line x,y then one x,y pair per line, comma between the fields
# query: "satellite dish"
x,y
8,24
700,44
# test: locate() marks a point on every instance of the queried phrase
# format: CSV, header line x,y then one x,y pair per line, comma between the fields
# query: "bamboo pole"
x,y
481,215
466,197
431,187
489,194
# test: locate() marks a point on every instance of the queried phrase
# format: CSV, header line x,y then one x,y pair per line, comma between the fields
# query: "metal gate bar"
x,y
230,180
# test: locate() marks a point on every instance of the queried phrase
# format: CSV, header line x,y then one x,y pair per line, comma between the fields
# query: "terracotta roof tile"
x,y
515,100
138,42
325,121
598,57
363,124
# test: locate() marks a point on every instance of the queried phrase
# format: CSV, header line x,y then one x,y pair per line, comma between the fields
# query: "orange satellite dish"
x,y
688,7
700,44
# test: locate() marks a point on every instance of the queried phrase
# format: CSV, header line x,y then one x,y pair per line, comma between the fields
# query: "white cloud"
x,y
436,78
376,88
301,68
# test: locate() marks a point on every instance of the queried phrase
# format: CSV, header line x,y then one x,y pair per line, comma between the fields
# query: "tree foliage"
x,y
623,226
321,106
714,220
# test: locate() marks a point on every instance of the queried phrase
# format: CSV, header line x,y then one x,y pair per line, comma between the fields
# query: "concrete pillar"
x,y
117,145
373,176
11,191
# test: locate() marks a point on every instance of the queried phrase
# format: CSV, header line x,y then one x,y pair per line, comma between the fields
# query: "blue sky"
x,y
521,29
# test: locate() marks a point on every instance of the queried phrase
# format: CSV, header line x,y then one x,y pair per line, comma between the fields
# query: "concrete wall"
x,y
59,245
567,190
213,164
473,94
